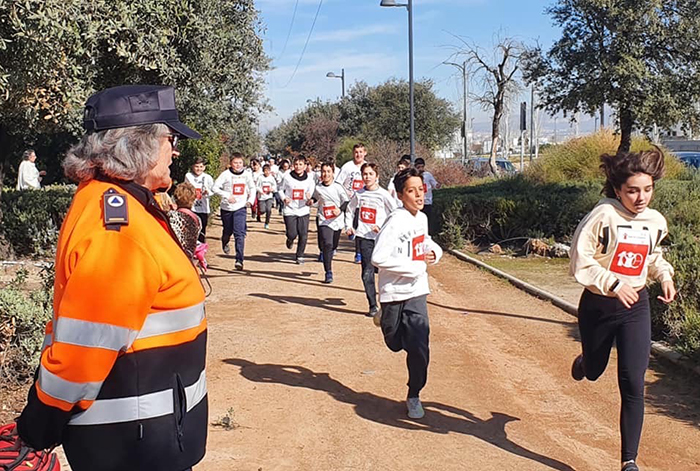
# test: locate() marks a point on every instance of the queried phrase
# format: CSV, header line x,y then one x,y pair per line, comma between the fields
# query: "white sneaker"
x,y
415,408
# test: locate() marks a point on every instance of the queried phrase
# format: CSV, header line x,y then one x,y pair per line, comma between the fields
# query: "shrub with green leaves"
x,y
30,220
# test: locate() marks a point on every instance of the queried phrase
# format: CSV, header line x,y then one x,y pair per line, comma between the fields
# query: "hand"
x,y
287,201
336,212
376,229
309,202
430,258
42,173
627,295
669,292
248,205
231,199
349,232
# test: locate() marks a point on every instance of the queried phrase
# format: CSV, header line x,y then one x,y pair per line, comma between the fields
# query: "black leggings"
x,y
603,320
366,249
328,241
204,217
297,226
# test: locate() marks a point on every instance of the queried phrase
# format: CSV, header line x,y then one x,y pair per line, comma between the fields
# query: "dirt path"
x,y
311,385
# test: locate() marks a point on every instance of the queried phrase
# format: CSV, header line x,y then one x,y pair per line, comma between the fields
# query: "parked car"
x,y
691,159
480,165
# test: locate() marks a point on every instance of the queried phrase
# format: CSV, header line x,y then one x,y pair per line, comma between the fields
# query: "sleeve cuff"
x,y
665,276
615,287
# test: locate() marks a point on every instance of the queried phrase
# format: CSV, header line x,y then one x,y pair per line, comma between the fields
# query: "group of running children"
x,y
615,249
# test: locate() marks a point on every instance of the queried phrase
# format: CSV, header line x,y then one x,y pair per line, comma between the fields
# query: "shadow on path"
x,y
439,418
331,304
303,278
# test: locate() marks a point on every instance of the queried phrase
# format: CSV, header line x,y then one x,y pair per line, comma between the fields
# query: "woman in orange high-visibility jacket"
x,y
121,383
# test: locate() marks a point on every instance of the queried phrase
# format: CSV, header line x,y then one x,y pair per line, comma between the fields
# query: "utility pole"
x,y
465,111
602,116
532,120
523,128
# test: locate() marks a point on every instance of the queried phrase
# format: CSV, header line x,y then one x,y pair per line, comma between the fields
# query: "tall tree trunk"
x,y
495,125
626,124
4,154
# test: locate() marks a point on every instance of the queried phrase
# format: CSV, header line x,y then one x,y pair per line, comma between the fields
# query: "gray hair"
x,y
122,153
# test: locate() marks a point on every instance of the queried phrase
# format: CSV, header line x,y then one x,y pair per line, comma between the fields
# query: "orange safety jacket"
x,y
121,382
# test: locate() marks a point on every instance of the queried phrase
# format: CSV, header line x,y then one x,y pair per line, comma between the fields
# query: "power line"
x,y
291,25
318,10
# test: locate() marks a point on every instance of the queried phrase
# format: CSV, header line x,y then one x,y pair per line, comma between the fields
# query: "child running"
x,y
371,206
296,191
332,202
237,191
256,172
267,187
402,252
404,162
350,176
203,184
615,248
429,184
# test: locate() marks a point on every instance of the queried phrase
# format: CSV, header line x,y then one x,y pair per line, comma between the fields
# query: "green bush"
x,y
497,210
30,220
23,316
579,159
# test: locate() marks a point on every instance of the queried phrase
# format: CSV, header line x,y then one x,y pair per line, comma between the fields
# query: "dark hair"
x,y
403,176
358,146
299,158
236,155
256,161
371,165
618,168
405,159
27,153
284,161
199,160
328,164
266,166
419,161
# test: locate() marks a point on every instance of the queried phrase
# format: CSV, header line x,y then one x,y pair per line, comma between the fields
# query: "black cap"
x,y
134,105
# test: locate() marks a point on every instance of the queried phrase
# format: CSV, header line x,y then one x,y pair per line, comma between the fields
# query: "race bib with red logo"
x,y
425,187
266,188
238,188
357,184
418,248
198,193
631,252
368,215
328,212
297,194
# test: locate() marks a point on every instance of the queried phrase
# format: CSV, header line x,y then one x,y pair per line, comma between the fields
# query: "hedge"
x,y
518,207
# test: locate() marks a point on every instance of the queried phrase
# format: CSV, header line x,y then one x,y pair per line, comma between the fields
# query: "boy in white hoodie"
x,y
237,191
402,252
296,190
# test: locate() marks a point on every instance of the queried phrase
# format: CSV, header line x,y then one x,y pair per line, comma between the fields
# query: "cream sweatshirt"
x,y
239,185
612,246
399,254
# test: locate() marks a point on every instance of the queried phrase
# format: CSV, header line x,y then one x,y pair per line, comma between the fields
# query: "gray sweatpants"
x,y
405,327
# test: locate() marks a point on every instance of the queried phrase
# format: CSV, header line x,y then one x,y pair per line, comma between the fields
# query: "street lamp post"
x,y
409,7
341,77
463,68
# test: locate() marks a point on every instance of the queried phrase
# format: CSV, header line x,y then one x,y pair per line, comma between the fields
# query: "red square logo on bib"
x,y
368,215
629,259
266,188
238,188
198,193
418,248
297,195
328,212
357,184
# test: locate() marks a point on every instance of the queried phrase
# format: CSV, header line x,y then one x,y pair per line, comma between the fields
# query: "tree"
x,y
54,54
641,57
498,80
321,138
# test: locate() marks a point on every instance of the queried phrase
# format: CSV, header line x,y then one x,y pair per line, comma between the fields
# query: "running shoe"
x,y
227,249
630,466
329,278
373,312
577,370
239,265
289,243
320,257
299,261
377,319
415,408
358,258
267,226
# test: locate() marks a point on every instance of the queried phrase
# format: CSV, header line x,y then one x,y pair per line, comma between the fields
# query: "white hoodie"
x,y
241,186
299,190
399,254
374,207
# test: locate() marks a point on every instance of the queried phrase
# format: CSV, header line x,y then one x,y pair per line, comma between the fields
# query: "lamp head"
x,y
330,75
388,3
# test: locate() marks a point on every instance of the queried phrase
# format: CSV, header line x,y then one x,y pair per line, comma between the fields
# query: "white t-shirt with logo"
x,y
204,187
373,207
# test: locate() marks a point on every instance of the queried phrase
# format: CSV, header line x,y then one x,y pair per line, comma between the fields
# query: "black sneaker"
x,y
289,243
631,466
239,265
227,249
329,278
577,370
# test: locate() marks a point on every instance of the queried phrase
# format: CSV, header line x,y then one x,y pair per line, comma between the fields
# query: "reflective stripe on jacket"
x,y
121,382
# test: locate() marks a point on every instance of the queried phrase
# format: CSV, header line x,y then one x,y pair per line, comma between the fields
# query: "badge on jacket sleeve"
x,y
116,211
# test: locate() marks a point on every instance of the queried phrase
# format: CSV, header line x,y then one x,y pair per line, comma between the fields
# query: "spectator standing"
x,y
28,176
